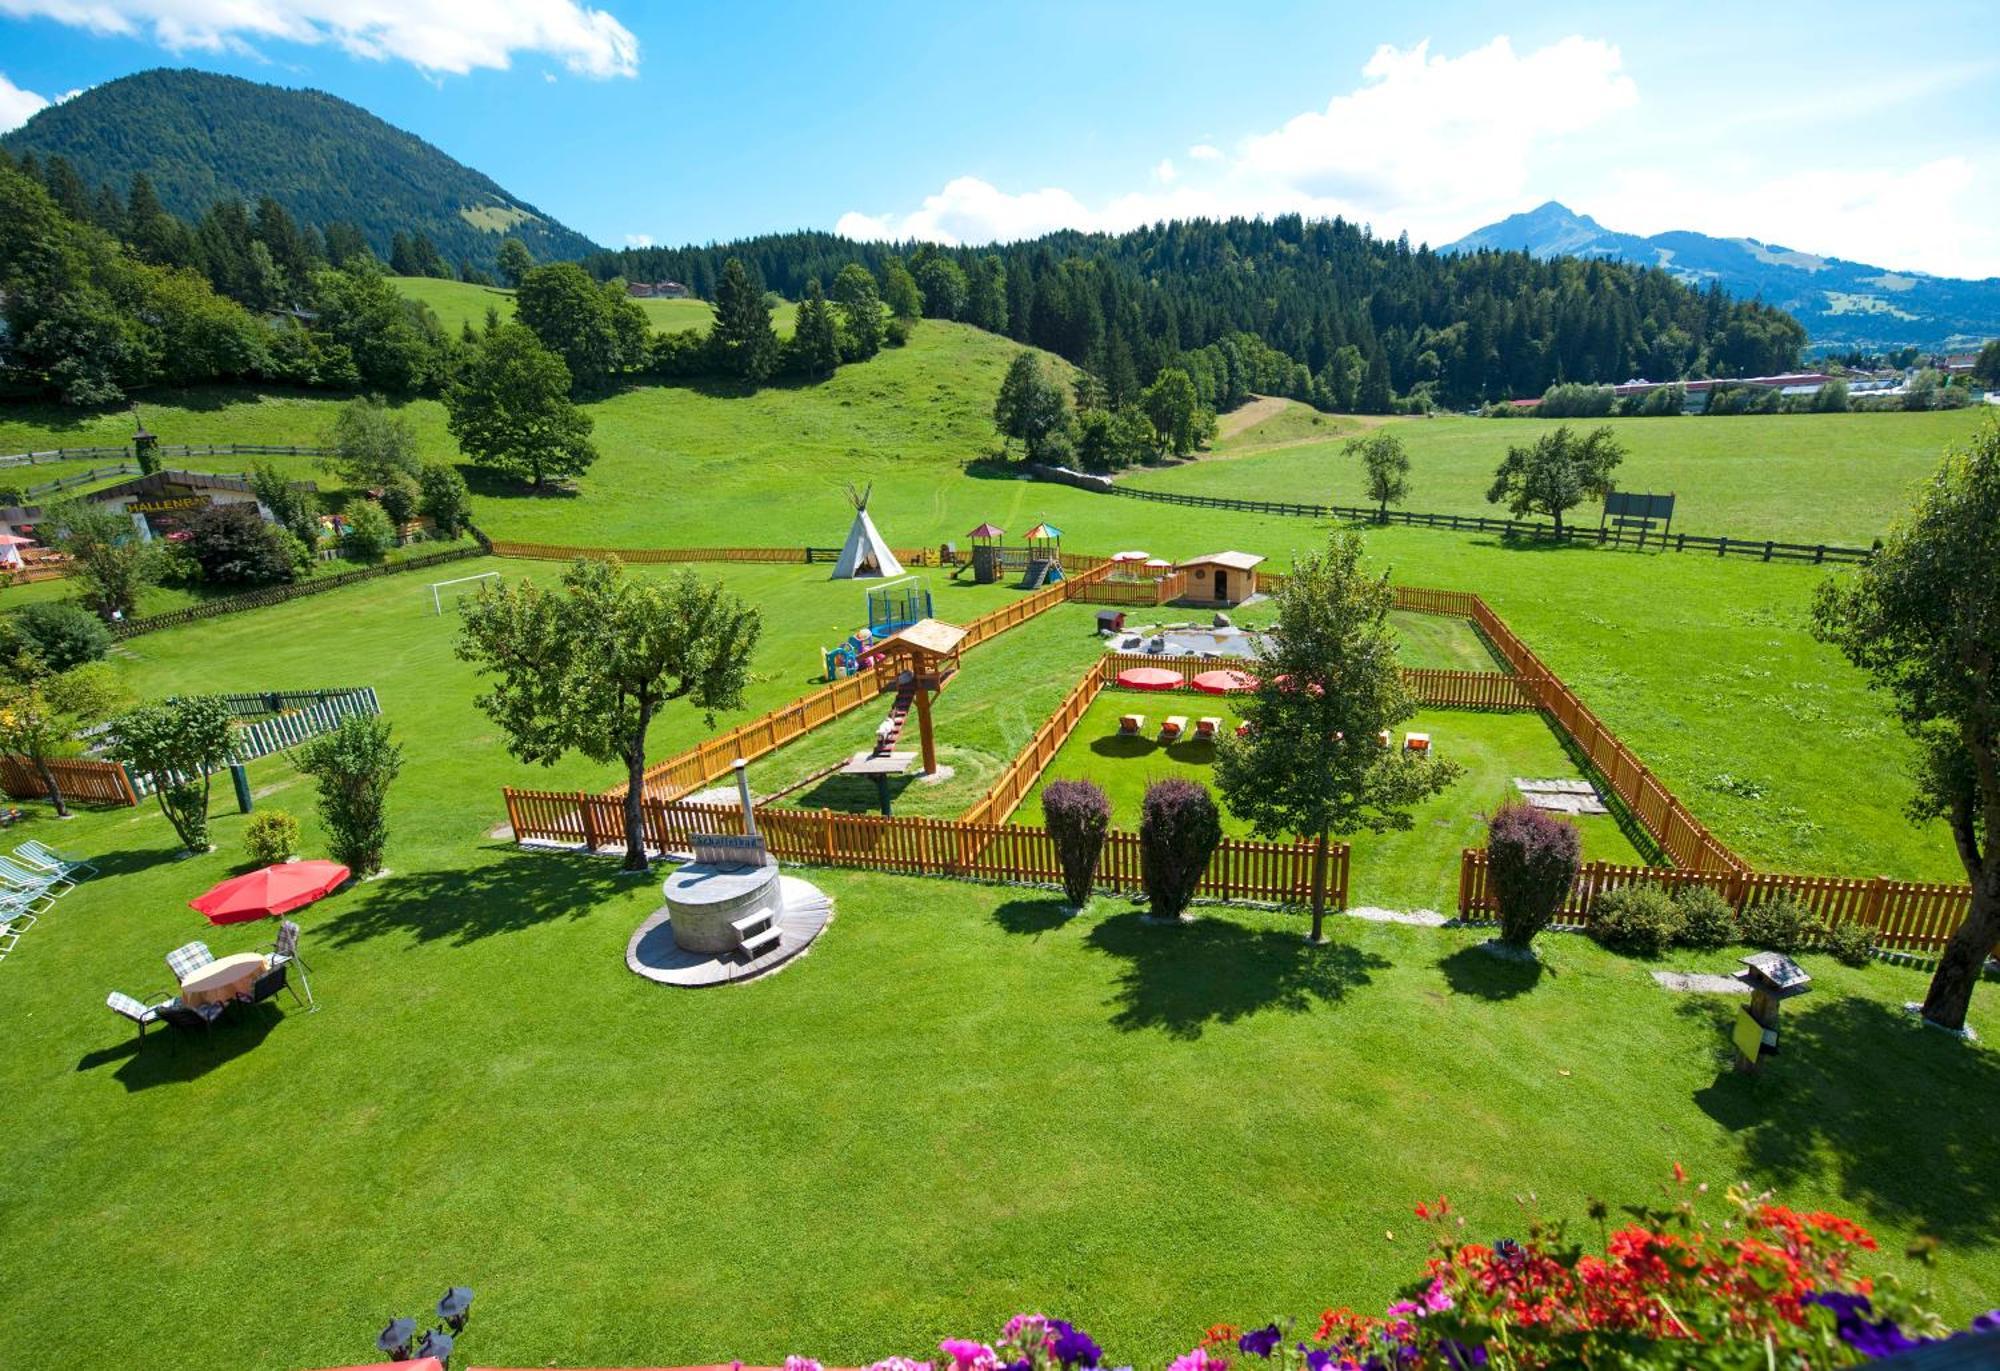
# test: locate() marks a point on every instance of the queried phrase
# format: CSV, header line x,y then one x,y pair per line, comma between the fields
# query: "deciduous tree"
x,y
178,742
1386,466
1328,685
1171,403
1922,617
43,711
1557,472
510,410
353,766
899,290
587,667
1033,406
110,566
860,303
514,261
373,444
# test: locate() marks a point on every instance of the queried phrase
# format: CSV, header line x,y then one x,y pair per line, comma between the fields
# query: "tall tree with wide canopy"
x,y
1923,618
1033,406
44,710
179,742
587,668
860,302
1557,472
1385,468
510,410
1328,684
111,567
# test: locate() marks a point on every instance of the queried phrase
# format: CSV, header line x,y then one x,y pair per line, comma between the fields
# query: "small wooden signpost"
x,y
1773,978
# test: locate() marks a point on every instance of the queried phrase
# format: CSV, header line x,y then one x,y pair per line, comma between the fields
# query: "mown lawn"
x,y
959,1105
1413,869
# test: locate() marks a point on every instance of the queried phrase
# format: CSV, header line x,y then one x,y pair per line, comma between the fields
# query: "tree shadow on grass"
x,y
518,891
1180,979
126,862
1898,1117
1477,972
1032,917
173,1056
1125,747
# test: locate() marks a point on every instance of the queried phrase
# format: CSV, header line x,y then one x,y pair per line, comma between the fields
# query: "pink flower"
x,y
900,1364
1437,1299
1197,1360
1026,1331
801,1364
967,1355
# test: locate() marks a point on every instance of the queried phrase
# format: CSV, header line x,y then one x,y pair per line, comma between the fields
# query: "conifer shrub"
x,y
1077,815
1179,827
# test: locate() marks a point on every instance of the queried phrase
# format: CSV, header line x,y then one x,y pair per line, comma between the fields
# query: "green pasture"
x,y
456,303
1803,478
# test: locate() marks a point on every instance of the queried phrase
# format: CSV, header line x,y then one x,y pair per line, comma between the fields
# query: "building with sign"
x,y
157,504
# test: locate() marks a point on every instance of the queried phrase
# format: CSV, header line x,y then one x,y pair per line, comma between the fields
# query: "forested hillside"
x,y
1322,311
200,138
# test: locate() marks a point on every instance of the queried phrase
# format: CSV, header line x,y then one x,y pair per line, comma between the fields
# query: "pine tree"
x,y
815,342
746,346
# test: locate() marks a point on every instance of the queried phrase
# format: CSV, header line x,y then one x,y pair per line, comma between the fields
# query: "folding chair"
x,y
285,952
43,857
16,874
187,959
137,1011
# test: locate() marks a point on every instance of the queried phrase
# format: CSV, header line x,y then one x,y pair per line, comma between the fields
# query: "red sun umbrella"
x,y
1129,556
1224,682
1149,678
1285,683
274,890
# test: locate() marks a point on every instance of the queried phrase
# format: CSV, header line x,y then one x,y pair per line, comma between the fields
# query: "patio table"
x,y
224,979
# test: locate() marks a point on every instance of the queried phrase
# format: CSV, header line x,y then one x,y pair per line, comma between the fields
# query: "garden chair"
x,y
19,904
1206,727
1131,725
286,951
1172,728
1416,742
40,856
187,959
9,935
137,1011
189,1015
270,983
14,873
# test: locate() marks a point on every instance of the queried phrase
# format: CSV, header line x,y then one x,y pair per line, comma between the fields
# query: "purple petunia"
x,y
1260,1342
1871,1338
1317,1358
1072,1347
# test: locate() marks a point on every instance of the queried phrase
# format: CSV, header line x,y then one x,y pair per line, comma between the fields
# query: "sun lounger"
x,y
1206,727
1131,725
1173,726
1386,738
1416,742
1243,729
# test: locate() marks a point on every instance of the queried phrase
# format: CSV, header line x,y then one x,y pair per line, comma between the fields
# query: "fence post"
x,y
1871,913
589,814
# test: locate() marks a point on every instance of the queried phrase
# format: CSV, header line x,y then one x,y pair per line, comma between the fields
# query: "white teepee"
x,y
865,553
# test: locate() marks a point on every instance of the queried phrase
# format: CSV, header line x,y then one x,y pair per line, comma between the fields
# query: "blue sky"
x,y
1831,128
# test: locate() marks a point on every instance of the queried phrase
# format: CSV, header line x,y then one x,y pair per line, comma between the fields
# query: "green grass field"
x,y
961,1103
456,302
1810,478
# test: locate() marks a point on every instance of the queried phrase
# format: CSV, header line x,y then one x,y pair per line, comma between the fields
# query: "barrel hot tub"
x,y
713,904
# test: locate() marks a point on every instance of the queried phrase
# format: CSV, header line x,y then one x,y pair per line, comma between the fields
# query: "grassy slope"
x,y
1835,478
455,302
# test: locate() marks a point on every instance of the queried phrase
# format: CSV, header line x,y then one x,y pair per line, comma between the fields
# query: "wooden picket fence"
x,y
636,556
1905,916
1012,785
1438,688
82,780
1144,593
1241,869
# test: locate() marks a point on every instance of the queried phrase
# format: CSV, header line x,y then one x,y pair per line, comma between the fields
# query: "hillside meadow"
x,y
459,302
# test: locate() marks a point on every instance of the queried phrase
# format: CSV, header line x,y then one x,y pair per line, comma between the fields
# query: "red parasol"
x,y
1130,556
1285,683
274,890
1224,682
1150,678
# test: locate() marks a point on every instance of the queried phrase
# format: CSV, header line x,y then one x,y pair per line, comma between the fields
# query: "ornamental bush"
x,y
271,836
354,765
1707,921
234,546
1531,862
1077,815
1780,924
1639,920
369,533
1852,943
1179,827
60,634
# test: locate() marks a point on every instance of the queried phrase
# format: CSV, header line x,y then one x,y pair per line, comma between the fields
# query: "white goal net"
x,y
438,589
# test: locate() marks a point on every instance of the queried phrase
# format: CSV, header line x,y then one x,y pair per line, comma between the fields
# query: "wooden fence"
x,y
640,556
1012,785
1242,869
1905,916
1112,591
82,780
1761,549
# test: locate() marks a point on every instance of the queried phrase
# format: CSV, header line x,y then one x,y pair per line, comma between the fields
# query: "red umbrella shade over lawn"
x,y
1149,678
274,890
1224,682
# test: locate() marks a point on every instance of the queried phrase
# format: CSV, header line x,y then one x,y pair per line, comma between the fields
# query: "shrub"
x,y
1852,943
1638,920
271,836
1179,827
234,546
1707,921
354,765
1077,815
444,498
1531,861
369,534
400,499
61,634
897,334
1781,924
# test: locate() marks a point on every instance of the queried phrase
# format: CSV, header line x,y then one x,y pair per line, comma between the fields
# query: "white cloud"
x,y
17,106
1438,145
438,36
638,240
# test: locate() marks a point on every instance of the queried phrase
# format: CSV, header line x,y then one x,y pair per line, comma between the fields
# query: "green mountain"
x,y
201,137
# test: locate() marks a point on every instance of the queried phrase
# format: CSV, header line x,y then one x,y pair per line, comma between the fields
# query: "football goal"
x,y
437,599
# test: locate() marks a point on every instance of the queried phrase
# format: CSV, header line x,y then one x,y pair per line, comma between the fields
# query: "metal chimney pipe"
x,y
742,770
